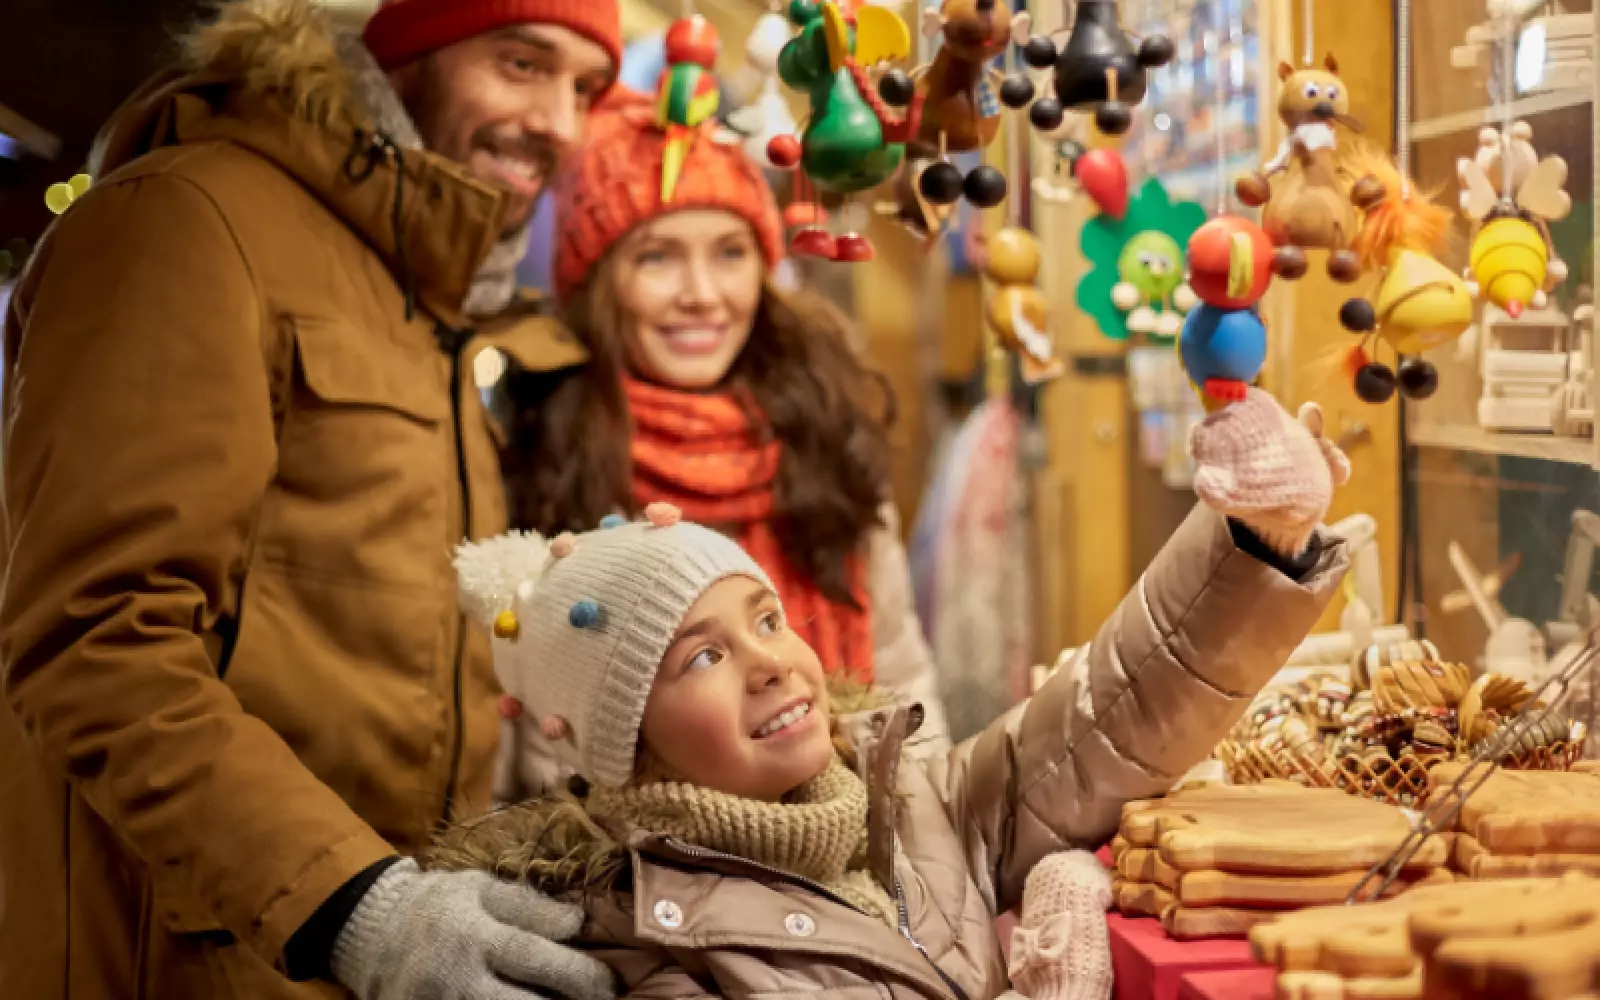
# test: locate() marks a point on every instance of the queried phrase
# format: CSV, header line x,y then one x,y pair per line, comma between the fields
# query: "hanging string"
x,y
1310,54
1015,149
1508,71
1402,74
1219,111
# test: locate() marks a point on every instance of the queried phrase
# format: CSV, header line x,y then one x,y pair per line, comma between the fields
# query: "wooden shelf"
x,y
1573,451
1555,100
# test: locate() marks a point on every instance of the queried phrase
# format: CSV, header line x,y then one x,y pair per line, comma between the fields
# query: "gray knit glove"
x,y
463,936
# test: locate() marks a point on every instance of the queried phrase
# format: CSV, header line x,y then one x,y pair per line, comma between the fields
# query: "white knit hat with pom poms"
x,y
585,620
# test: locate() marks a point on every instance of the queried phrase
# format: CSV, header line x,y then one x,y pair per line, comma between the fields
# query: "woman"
x,y
710,388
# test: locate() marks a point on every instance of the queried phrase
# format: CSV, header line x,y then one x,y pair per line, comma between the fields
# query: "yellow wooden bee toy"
x,y
1017,310
1512,262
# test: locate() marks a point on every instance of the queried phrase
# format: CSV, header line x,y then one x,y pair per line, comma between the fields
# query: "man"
x,y
241,443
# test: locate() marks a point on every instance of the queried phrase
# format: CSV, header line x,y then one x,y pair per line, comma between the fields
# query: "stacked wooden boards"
x,y
1526,823
1217,860
1518,939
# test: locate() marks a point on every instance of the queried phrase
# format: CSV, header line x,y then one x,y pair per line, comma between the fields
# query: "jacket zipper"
x,y
454,342
899,900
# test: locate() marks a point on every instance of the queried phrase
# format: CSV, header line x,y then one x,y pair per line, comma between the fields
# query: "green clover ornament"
x,y
1135,281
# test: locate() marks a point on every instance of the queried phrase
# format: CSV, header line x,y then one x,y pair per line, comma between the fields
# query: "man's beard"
x,y
546,158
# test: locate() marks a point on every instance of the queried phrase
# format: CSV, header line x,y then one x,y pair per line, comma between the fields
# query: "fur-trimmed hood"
x,y
279,79
285,50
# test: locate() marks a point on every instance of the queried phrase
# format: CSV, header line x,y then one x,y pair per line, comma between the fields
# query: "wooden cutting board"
x,y
1530,812
1271,828
1270,892
1471,860
1523,939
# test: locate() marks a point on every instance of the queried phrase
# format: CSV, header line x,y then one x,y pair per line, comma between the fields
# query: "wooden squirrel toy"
x,y
1312,205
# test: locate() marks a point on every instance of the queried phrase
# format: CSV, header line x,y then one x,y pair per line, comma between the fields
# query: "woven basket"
x,y
1402,782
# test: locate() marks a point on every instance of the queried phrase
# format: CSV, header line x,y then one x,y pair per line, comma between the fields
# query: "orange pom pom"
x,y
663,515
562,545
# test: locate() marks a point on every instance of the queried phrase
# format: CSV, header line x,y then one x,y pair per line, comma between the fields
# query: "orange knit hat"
x,y
614,185
403,30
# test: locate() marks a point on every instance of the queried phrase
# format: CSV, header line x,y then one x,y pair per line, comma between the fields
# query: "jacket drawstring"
x,y
367,150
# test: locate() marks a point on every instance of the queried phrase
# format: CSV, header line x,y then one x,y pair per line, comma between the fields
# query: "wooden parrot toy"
x,y
686,93
1223,344
851,141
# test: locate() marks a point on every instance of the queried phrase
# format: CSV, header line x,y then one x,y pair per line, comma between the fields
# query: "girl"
x,y
709,388
742,834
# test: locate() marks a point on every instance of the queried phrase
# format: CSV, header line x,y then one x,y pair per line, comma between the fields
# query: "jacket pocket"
x,y
346,366
366,490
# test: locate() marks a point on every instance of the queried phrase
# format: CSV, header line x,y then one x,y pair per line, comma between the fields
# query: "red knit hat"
x,y
613,186
403,30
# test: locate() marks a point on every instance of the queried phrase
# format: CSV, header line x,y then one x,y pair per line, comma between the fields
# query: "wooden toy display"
x,y
1216,860
1379,731
1305,199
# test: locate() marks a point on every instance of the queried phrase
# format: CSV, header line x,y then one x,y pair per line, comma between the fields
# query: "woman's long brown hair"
x,y
567,461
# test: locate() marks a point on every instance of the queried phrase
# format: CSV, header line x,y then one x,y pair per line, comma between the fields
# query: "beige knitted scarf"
x,y
818,833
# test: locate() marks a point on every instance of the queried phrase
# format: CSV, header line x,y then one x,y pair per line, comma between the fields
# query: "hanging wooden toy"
x,y
1223,345
1420,304
852,142
1017,311
686,93
1310,204
962,94
1135,284
1101,69
1512,261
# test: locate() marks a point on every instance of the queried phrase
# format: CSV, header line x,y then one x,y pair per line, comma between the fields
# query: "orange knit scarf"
x,y
703,453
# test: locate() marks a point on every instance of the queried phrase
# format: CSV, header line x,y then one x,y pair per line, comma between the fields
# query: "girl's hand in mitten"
x,y
1061,949
1268,471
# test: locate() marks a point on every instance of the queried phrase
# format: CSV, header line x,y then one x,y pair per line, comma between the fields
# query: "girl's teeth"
x,y
785,720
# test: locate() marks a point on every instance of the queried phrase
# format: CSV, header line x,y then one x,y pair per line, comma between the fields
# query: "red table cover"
x,y
1257,983
1148,965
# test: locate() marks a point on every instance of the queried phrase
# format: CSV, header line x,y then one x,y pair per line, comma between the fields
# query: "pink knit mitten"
x,y
1061,949
1272,473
